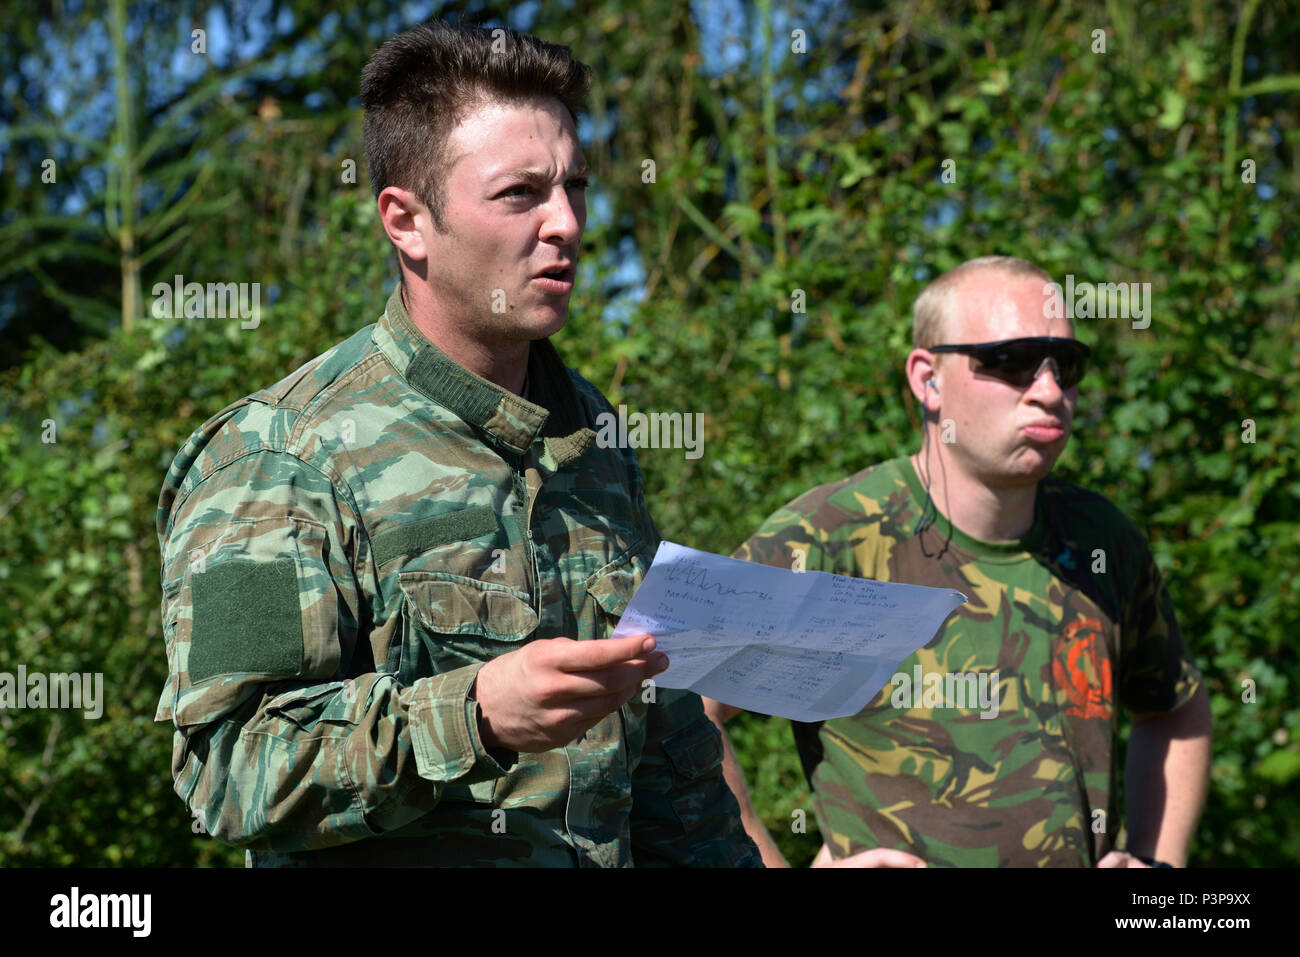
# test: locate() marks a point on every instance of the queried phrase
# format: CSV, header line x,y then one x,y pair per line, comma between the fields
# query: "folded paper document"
x,y
800,644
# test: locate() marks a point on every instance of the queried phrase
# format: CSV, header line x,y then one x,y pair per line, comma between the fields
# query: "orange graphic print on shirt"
x,y
1082,672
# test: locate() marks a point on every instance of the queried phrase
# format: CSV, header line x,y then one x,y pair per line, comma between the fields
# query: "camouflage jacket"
x,y
995,744
340,554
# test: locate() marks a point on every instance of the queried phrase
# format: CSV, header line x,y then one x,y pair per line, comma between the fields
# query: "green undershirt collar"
x,y
1013,550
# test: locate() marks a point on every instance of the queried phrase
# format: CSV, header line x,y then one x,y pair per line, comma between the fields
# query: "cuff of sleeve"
x,y
444,731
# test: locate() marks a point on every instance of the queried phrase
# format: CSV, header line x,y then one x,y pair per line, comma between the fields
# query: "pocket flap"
x,y
614,585
694,751
309,705
613,591
454,605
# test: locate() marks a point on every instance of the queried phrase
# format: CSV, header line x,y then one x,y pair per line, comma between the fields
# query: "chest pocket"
x,y
450,621
613,586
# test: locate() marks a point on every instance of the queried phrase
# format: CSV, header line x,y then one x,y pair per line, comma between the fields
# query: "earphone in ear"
x,y
932,385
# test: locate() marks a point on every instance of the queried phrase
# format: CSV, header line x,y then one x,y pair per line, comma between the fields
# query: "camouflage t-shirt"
x,y
995,744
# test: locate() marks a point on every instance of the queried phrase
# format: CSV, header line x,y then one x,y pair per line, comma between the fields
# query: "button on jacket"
x,y
341,554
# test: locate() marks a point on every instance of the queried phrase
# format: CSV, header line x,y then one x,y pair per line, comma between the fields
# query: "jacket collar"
x,y
554,413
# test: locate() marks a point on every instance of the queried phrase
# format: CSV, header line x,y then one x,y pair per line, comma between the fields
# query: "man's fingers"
x,y
876,857
1120,859
593,655
625,676
588,711
888,857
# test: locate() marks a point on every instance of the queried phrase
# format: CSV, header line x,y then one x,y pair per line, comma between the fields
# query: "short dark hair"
x,y
424,81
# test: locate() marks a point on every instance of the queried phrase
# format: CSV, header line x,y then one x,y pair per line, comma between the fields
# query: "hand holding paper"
x,y
804,645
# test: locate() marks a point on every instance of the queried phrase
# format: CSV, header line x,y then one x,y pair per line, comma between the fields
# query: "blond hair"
x,y
933,308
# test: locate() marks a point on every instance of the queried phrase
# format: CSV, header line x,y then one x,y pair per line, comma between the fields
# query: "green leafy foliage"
x,y
765,278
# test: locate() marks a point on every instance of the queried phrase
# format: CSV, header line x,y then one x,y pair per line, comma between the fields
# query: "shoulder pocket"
x,y
258,604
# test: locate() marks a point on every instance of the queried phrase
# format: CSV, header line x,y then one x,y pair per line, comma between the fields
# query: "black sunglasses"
x,y
1020,361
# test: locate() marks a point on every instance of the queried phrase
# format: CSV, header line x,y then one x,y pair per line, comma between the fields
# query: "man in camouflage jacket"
x,y
995,744
383,577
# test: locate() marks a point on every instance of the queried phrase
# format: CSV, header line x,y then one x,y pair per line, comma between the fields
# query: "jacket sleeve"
x,y
282,742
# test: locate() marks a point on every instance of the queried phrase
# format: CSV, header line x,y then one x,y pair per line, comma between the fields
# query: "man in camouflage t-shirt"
x,y
995,744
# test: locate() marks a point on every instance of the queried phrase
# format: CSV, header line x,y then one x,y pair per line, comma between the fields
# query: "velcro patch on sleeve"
x,y
246,619
458,526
